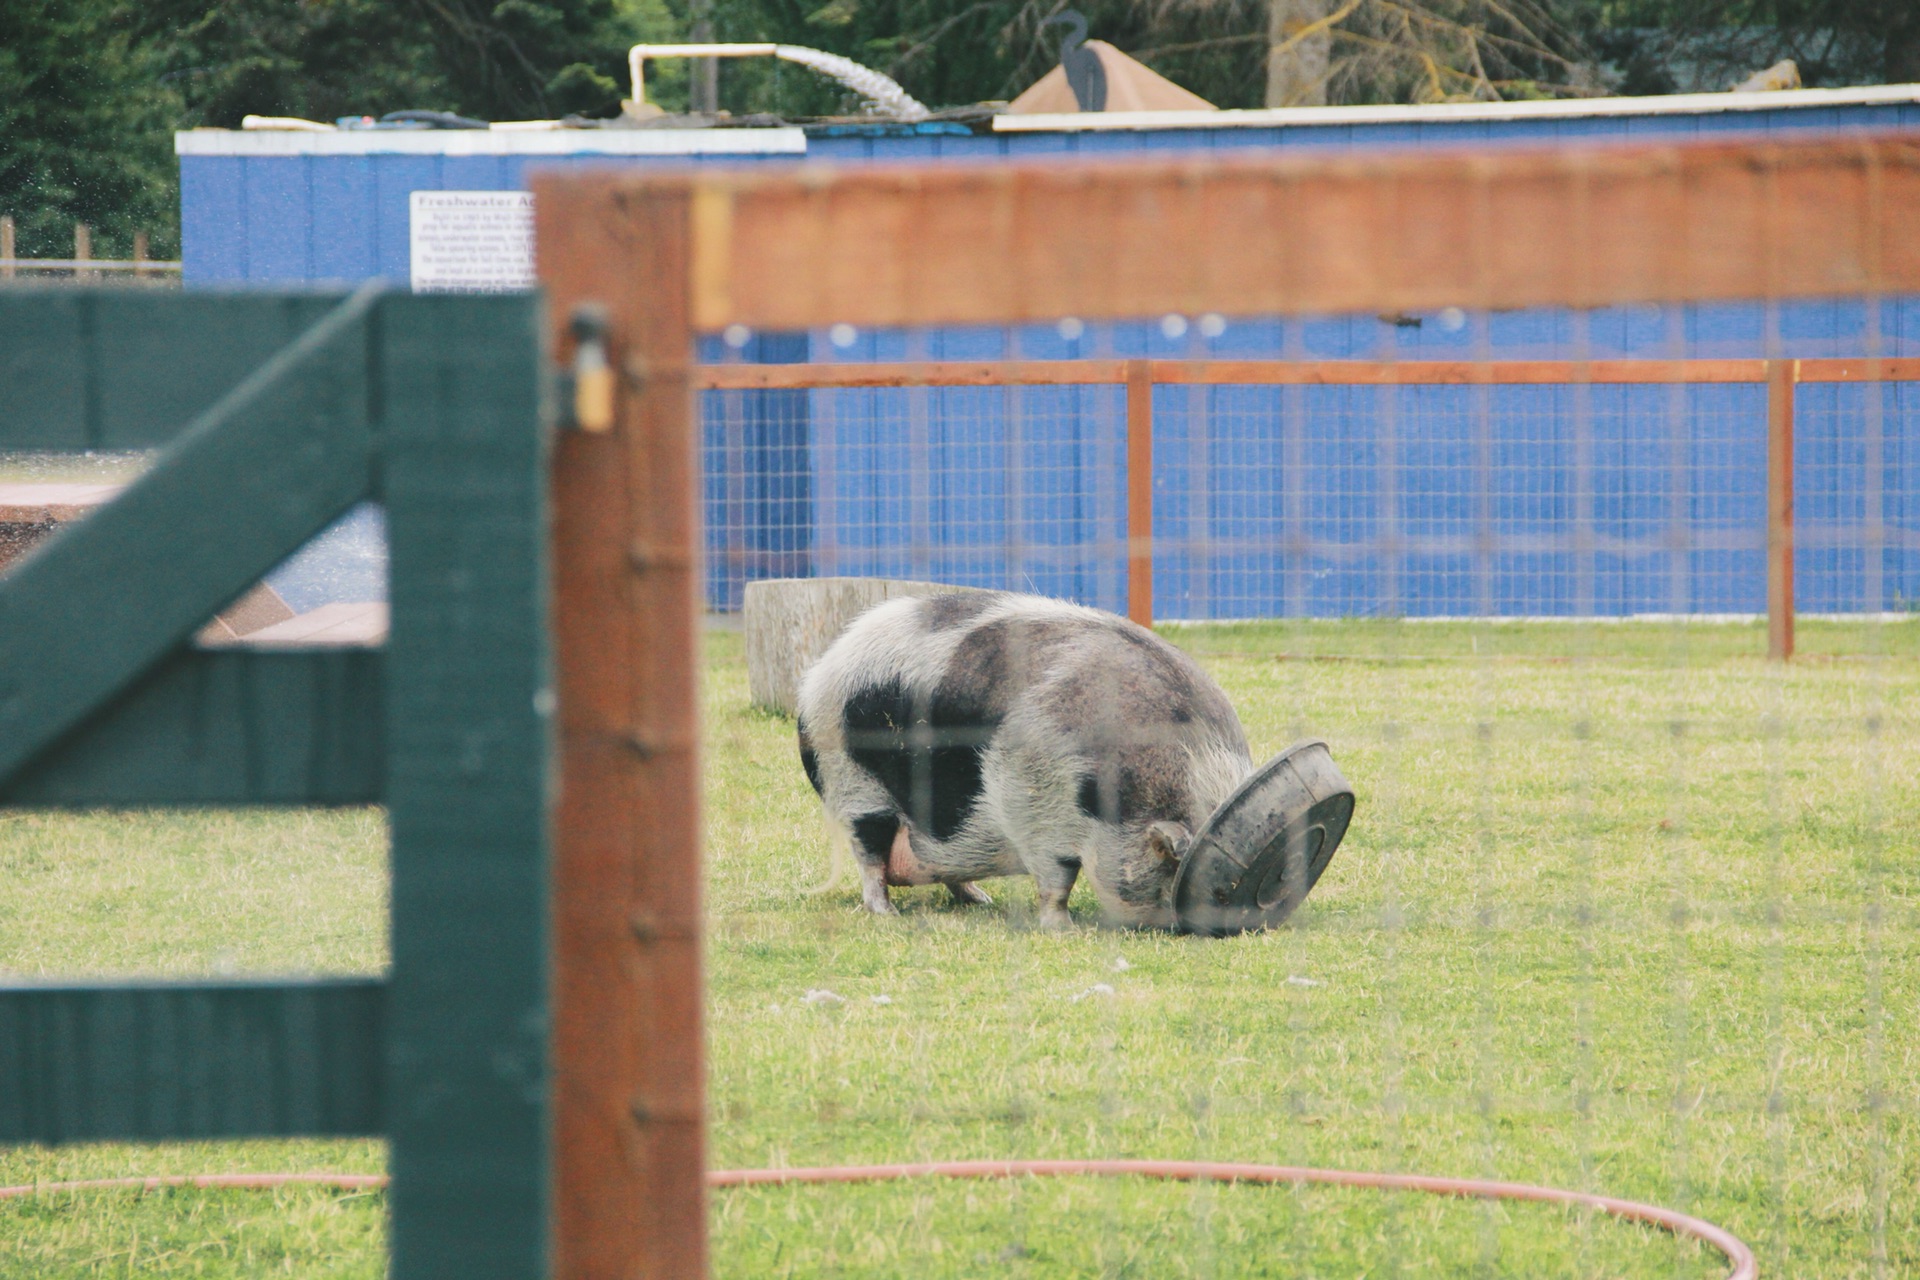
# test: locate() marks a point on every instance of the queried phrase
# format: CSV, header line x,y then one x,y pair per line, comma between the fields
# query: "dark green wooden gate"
x,y
273,415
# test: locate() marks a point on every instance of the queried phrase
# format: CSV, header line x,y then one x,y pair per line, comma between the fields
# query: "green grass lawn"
x,y
1624,908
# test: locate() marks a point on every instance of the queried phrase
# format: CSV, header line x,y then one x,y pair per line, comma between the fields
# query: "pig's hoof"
x,y
1055,919
967,894
881,906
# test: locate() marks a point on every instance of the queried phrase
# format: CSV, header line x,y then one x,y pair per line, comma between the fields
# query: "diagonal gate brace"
x,y
273,463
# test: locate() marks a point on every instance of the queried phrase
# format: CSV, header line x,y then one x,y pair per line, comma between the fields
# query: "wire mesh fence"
x,y
1464,501
1336,489
1016,488
1619,905
1623,905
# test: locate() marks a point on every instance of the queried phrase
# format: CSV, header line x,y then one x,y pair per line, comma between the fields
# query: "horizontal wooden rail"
x,y
1293,232
229,727
105,368
1405,373
1442,373
1858,369
916,373
147,1061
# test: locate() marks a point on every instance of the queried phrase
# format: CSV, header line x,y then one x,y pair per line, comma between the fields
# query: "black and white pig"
x,y
988,734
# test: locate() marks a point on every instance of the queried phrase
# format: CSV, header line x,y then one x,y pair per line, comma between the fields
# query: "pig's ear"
x,y
1167,841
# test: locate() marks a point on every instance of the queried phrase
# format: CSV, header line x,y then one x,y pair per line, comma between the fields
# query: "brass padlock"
x,y
592,371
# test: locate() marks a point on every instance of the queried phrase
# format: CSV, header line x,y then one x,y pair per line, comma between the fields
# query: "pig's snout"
x,y
1144,897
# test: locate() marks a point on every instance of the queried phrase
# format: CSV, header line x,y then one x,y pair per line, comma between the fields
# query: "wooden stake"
x,y
6,246
1781,375
1140,491
82,248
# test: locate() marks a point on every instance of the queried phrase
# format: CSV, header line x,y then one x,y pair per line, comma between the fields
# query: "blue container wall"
x,y
1305,501
285,219
305,218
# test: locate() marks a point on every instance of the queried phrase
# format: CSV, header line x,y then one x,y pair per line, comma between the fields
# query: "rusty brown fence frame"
x,y
1139,377
669,255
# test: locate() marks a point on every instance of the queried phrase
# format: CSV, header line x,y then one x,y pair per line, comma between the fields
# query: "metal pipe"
x,y
881,90
638,55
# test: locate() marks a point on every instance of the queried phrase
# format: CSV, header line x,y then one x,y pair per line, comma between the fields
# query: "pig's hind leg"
x,y
873,836
968,894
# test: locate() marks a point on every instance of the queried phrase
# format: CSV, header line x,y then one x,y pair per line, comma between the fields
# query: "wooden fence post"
x,y
629,1065
1140,491
1781,376
82,250
7,267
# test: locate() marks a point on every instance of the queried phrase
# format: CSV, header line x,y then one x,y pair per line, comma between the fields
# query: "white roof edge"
x,y
1552,109
490,142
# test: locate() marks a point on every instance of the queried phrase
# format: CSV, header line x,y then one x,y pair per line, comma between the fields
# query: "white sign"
x,y
471,241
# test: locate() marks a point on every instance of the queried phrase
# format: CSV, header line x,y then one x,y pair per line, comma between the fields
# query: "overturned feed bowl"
x,y
1255,860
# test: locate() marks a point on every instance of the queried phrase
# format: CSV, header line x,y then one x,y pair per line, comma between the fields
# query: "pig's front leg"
x,y
1055,881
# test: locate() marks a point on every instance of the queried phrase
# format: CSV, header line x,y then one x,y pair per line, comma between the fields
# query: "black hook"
x,y
1085,74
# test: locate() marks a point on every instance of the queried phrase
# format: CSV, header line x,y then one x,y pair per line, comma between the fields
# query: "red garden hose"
x,y
1680,1224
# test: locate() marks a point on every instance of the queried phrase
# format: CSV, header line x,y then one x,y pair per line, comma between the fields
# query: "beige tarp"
x,y
1131,86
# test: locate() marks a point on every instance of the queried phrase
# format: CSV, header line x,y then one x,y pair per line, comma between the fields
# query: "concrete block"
x,y
790,622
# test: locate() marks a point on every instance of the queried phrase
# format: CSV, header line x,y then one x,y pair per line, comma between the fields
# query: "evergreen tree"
x,y
85,126
1687,46
321,59
948,53
91,91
